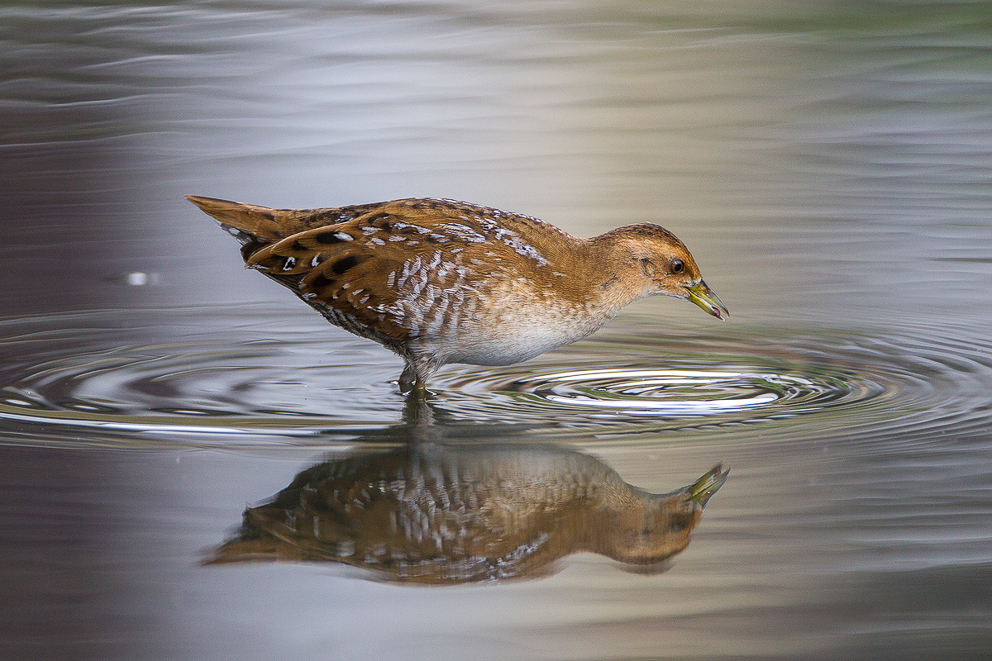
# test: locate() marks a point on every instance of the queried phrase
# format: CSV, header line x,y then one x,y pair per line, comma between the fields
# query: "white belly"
x,y
514,336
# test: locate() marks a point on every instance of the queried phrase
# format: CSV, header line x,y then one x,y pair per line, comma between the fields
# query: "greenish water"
x,y
828,165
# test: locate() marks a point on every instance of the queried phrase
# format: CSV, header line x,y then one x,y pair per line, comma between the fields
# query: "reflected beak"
x,y
704,488
703,296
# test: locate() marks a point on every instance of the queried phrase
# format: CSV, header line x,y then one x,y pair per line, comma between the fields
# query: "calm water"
x,y
829,167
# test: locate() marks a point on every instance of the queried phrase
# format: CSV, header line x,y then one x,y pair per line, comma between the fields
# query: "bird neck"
x,y
614,276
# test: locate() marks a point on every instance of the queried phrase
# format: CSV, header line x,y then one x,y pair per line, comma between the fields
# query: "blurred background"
x,y
827,163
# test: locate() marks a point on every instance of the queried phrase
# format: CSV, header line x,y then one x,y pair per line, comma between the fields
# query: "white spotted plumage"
x,y
441,281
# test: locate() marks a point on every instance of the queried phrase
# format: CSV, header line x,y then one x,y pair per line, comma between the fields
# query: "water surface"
x,y
827,166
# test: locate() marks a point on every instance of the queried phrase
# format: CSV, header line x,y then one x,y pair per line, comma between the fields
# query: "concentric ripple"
x,y
690,393
142,375
695,389
907,384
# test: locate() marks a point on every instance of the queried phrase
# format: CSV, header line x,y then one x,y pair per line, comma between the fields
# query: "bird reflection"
x,y
447,514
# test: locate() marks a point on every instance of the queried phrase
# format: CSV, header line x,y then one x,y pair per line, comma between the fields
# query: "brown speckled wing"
x,y
342,270
395,271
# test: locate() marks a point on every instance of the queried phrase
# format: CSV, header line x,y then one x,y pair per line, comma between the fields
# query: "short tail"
x,y
247,222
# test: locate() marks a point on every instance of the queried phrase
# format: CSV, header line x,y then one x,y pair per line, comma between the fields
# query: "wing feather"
x,y
389,271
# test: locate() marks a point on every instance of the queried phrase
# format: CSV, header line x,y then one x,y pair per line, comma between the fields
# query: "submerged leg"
x,y
415,375
408,379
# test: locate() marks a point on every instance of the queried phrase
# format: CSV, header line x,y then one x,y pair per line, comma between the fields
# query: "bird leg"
x,y
408,379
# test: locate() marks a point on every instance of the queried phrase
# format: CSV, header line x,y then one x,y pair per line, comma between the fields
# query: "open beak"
x,y
703,296
704,488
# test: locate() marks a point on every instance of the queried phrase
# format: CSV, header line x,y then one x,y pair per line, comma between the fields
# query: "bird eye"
x,y
677,266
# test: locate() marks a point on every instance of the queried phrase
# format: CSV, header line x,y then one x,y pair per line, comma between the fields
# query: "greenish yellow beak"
x,y
703,296
703,489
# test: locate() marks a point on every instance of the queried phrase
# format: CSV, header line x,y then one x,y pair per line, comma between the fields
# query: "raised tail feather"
x,y
247,222
256,226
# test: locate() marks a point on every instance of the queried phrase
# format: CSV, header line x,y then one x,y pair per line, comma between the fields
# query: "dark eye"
x,y
677,266
678,524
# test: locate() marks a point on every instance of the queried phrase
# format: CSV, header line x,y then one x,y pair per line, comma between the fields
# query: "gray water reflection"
x,y
828,164
431,513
